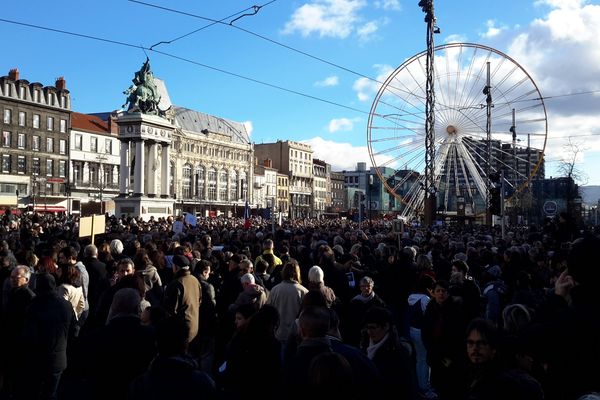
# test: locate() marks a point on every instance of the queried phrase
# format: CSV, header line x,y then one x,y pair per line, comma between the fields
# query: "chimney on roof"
x,y
61,83
112,124
268,163
14,74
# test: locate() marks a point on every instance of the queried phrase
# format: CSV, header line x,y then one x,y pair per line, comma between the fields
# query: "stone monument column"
x,y
165,172
139,169
151,169
124,169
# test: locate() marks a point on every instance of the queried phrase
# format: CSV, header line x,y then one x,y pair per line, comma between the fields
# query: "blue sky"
x,y
554,40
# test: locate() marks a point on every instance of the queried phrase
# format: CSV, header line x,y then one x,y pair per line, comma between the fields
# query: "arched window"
x,y
212,184
172,178
244,188
223,185
186,181
199,182
233,186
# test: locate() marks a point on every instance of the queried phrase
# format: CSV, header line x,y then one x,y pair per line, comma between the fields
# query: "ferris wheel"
x,y
463,162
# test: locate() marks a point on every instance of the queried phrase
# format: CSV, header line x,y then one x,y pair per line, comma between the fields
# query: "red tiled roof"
x,y
89,123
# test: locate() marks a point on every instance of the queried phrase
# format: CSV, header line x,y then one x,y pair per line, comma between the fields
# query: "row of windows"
x,y
36,143
52,97
35,121
303,155
215,152
195,185
21,165
108,144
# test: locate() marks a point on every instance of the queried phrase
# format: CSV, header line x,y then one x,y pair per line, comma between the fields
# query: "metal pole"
x,y
503,224
488,128
429,187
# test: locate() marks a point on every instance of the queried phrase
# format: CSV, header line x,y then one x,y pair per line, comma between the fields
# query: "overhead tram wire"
x,y
111,41
330,63
81,35
255,8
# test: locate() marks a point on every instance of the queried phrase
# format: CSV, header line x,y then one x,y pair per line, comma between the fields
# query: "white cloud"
x,y
342,124
327,18
249,127
561,3
388,5
329,81
341,156
456,38
561,53
366,88
366,31
492,29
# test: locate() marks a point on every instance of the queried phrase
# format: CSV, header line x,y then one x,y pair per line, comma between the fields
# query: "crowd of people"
x,y
311,308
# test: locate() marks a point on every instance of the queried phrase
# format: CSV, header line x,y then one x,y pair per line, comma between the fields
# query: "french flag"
x,y
247,222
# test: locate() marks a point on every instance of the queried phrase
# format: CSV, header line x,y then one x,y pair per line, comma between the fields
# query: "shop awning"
x,y
49,208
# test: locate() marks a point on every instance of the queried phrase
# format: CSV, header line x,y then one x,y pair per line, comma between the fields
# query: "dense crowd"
x,y
163,309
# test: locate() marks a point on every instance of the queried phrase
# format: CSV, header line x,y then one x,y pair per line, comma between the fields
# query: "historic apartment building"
x,y
94,163
35,122
211,164
283,193
268,188
295,160
319,187
339,197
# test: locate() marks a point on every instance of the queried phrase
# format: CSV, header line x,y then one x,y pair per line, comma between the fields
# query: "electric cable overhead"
x,y
320,59
188,61
141,47
255,8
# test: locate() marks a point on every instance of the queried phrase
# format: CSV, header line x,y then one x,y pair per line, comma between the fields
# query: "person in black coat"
x,y
123,344
19,298
49,324
172,374
393,356
98,276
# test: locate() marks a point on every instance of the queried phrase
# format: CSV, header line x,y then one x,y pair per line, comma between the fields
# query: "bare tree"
x,y
568,167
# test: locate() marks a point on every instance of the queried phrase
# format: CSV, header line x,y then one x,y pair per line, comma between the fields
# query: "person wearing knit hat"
x,y
181,262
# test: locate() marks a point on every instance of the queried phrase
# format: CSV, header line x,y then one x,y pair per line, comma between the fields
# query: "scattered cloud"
x,y
561,53
561,3
492,29
329,81
341,156
249,127
342,124
326,18
456,38
366,88
388,5
366,31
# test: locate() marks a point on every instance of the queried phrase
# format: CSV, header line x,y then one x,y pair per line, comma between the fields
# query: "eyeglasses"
x,y
372,327
477,343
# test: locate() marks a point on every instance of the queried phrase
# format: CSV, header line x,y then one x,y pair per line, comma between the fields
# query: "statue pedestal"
x,y
144,206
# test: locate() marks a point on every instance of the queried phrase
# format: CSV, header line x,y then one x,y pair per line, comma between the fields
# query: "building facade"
x,y
211,164
339,201
319,188
283,194
269,185
94,164
35,143
295,160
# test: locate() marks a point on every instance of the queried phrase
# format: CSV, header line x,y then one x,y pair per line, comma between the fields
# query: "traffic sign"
x,y
550,207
